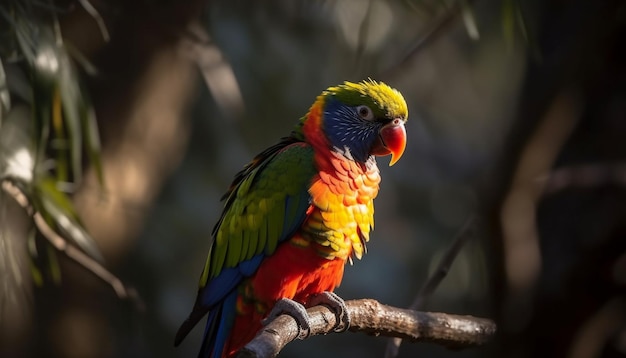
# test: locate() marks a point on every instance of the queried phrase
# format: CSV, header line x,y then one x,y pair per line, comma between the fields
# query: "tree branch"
x,y
371,317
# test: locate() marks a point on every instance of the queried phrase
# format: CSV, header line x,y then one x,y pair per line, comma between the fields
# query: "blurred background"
x,y
517,117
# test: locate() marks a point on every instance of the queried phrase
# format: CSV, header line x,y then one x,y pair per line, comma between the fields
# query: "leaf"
x,y
44,261
92,140
56,207
15,292
55,76
5,98
60,104
35,268
508,21
17,154
18,83
23,30
469,20
513,18
73,101
59,138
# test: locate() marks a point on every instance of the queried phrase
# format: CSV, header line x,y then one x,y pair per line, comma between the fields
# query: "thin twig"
x,y
393,345
461,237
586,176
371,317
91,10
436,29
71,251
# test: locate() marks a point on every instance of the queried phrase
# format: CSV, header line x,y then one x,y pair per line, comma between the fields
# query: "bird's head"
x,y
359,120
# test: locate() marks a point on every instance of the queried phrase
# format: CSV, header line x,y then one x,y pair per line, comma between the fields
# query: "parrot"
x,y
296,214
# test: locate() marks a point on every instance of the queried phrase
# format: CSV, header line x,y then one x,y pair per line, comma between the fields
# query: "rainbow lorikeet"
x,y
295,214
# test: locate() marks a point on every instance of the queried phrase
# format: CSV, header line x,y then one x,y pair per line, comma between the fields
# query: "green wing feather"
x,y
265,204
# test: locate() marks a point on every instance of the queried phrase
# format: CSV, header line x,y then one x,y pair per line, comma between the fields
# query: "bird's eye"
x,y
365,112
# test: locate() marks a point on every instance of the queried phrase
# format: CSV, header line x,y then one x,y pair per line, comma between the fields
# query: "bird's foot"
x,y
336,304
295,310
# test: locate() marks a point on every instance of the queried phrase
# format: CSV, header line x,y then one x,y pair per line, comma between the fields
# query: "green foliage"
x,y
48,127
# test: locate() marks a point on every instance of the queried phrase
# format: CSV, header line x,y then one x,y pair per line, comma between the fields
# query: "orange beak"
x,y
392,140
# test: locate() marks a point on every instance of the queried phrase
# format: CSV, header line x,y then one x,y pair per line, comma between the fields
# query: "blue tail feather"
x,y
218,327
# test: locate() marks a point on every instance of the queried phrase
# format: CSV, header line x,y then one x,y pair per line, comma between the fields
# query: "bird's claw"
x,y
336,304
293,309
300,315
